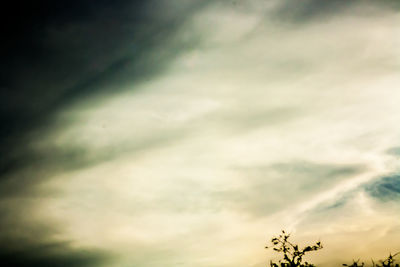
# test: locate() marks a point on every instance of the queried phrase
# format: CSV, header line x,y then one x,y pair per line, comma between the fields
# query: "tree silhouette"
x,y
355,264
388,262
292,254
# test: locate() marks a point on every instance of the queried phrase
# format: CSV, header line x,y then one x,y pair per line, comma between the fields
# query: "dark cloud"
x,y
63,159
385,189
26,242
50,255
310,10
56,53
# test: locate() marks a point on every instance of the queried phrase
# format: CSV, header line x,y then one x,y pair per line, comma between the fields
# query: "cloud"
x,y
52,254
295,182
69,53
183,134
312,11
394,151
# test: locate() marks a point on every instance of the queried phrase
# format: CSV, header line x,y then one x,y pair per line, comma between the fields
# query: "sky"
x,y
190,132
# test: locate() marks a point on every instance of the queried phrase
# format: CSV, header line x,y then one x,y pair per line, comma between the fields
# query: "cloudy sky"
x,y
189,132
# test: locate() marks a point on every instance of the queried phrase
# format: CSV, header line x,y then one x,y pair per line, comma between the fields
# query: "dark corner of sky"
x,y
54,53
50,255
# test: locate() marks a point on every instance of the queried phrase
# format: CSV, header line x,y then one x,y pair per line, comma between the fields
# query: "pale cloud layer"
x,y
264,123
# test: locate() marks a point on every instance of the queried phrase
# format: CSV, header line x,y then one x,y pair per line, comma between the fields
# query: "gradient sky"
x,y
189,132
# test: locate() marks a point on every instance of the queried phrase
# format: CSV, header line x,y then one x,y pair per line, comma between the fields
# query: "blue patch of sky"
x,y
385,189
